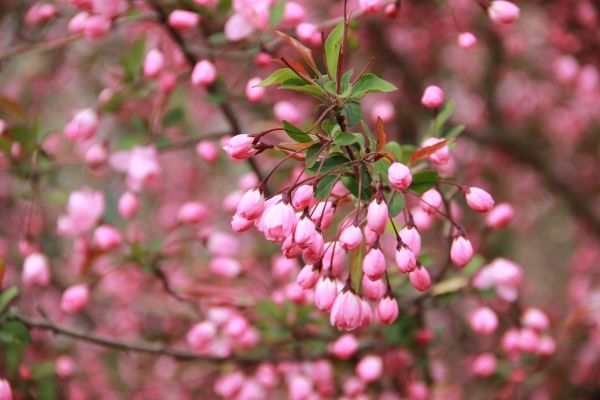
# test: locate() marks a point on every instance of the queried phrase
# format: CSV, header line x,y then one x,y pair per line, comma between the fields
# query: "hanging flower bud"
x,y
36,270
314,253
500,216
308,277
344,347
370,368
420,278
503,12
153,63
302,197
304,233
461,252
370,6
192,212
83,125
410,236
366,313
255,93
74,299
346,312
535,319
208,151
478,199
251,205
240,147
107,238
373,290
374,264
377,216
204,74
467,40
387,310
431,201
201,335
128,205
183,20
405,259
483,321
433,97
325,293
399,176
440,156
5,390
484,365
350,238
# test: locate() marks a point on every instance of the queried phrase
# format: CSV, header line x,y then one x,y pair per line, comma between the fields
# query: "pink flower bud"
x,y
262,59
74,299
204,74
503,12
303,196
279,221
192,212
299,387
107,238
254,93
83,125
128,205
287,111
399,176
384,110
77,23
229,384
294,13
405,259
366,315
391,10
528,340
344,347
440,156
467,40
370,368
478,199
483,321
417,391
420,278
335,259
322,213
304,233
377,216
350,238
535,319
353,387
346,312
183,20
240,147
153,63
373,290
510,341
433,97
410,236
96,155
484,365
206,3
500,216
431,201
325,293
282,267
308,277
370,6
225,267
241,224
306,31
290,249
374,264
36,270
95,27
236,326
546,346
39,13
461,251
387,310
167,81
65,367
5,390
208,151
199,337
251,205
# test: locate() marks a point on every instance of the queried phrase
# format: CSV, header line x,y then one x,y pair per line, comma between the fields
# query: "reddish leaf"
x,y
295,66
427,151
300,48
381,135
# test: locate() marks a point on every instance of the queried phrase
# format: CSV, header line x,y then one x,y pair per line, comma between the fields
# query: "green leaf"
x,y
296,133
7,296
328,165
332,49
396,204
471,268
423,181
215,98
277,12
351,183
173,117
371,83
407,151
311,154
115,101
345,87
369,133
217,38
300,85
14,332
454,132
324,186
134,59
352,112
356,259
395,149
441,119
278,76
345,139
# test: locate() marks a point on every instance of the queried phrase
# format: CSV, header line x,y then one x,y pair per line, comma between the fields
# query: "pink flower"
x,y
96,155
251,205
431,201
528,340
225,267
84,209
399,176
546,346
5,390
503,12
440,156
254,93
128,205
153,63
499,216
74,299
299,387
433,97
229,384
510,341
410,236
140,163
350,238
373,290
40,12
183,20
325,293
240,147
96,26
483,321
294,13
374,264
83,125
467,40
370,6
308,277
377,216
478,199
77,23
201,335
484,365
303,196
65,367
535,319
279,221
461,251
36,270
420,278
204,74
387,310
304,233
344,347
208,151
347,310
370,368
241,224
107,238
249,16
405,259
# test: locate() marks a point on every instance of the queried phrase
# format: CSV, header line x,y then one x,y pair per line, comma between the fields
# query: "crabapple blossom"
x,y
36,270
483,321
433,97
503,12
183,20
75,298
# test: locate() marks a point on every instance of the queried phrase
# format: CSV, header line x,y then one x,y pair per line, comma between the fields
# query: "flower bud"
x,y
83,125
36,270
241,224
308,277
302,197
405,259
251,205
461,252
483,321
484,365
535,319
387,310
325,293
347,310
399,176
499,216
410,236
304,233
287,111
225,267
467,40
344,347
370,368
420,278
351,237
77,23
65,367
546,346
5,390
96,155
417,391
377,216
204,74
433,97
128,205
279,221
528,340
478,199
74,299
370,6
153,63
107,238
183,20
373,290
255,93
503,12
306,32
440,156
167,81
366,314
374,264
240,147
192,212
95,27
208,151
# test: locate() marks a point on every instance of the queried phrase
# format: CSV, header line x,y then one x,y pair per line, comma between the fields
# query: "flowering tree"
x,y
264,199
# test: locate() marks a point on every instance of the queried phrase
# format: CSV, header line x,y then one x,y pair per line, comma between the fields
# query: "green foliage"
x,y
7,296
279,76
352,113
423,181
333,45
324,186
369,83
14,332
296,133
133,60
173,117
395,204
328,165
277,12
